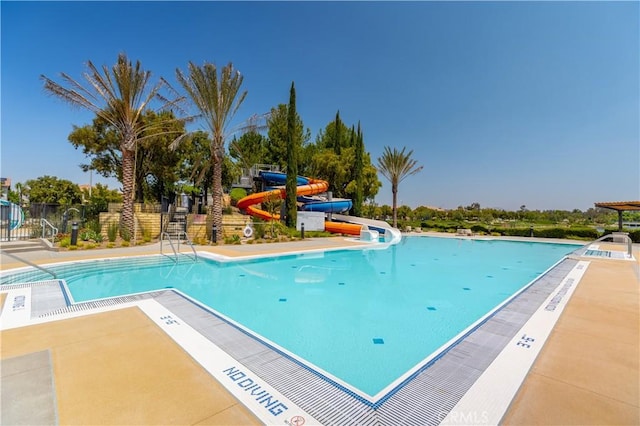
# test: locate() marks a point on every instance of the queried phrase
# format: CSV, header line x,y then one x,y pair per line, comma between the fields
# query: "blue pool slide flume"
x,y
311,204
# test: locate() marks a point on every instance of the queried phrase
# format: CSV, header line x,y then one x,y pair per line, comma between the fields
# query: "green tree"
x,y
337,142
278,134
51,190
358,171
100,143
217,99
97,199
405,212
156,165
249,149
292,161
197,164
340,170
16,196
396,166
118,96
335,133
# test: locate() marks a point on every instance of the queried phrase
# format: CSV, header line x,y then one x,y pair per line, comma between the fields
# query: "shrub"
x,y
87,234
232,239
479,229
259,228
94,225
237,194
112,232
125,234
65,241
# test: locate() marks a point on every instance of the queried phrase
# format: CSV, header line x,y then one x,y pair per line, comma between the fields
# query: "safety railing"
x,y
47,228
165,236
188,242
28,263
616,237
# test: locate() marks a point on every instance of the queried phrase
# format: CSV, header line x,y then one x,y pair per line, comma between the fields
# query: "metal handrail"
x,y
25,261
54,231
189,243
177,250
628,241
175,253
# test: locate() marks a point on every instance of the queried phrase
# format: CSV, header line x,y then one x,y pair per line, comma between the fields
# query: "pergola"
x,y
620,206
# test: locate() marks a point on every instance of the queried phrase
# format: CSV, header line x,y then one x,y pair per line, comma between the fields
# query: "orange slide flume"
x,y
315,186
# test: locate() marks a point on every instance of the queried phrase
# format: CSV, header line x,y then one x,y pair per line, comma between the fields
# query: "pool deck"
x,y
55,372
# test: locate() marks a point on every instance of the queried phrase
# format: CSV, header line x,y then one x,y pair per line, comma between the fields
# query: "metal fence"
x,y
26,223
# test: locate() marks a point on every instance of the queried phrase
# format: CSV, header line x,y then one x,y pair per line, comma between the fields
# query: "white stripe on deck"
x,y
488,399
263,400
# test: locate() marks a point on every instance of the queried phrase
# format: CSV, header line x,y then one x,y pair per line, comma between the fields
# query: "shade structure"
x,y
620,206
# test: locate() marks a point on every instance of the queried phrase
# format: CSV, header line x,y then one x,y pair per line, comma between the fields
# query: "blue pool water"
x,y
364,316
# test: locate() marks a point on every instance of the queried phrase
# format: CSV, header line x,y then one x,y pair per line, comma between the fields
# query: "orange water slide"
x,y
315,186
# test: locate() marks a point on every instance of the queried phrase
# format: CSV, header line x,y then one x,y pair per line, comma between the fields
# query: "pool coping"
x,y
386,411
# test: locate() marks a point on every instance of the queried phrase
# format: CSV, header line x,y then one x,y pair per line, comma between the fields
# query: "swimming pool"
x,y
363,317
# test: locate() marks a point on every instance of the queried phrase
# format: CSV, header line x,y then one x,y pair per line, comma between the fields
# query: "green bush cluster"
x,y
232,239
237,194
90,235
581,233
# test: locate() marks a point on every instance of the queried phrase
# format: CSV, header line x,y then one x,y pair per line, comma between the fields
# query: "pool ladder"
x,y
176,248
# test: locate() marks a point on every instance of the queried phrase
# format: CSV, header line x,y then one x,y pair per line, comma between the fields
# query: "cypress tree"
x,y
292,161
337,143
359,173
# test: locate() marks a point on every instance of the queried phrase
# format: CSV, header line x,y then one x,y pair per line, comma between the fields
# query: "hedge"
x,y
583,233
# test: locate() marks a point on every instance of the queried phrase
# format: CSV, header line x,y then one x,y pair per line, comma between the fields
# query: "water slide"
x,y
306,188
13,213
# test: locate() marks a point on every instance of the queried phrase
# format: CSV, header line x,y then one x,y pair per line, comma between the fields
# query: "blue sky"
x,y
503,103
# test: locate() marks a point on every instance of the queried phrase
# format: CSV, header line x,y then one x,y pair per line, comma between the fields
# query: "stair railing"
x,y
46,225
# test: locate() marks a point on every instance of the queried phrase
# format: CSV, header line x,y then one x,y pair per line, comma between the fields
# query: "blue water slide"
x,y
278,178
338,205
309,204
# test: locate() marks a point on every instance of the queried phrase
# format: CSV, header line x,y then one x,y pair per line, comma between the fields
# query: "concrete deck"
x,y
119,368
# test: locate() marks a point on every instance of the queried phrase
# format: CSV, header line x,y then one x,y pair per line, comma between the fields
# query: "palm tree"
x,y
395,166
217,100
119,96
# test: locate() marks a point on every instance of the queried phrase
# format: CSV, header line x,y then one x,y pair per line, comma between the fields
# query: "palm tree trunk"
x,y
216,191
128,164
394,190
